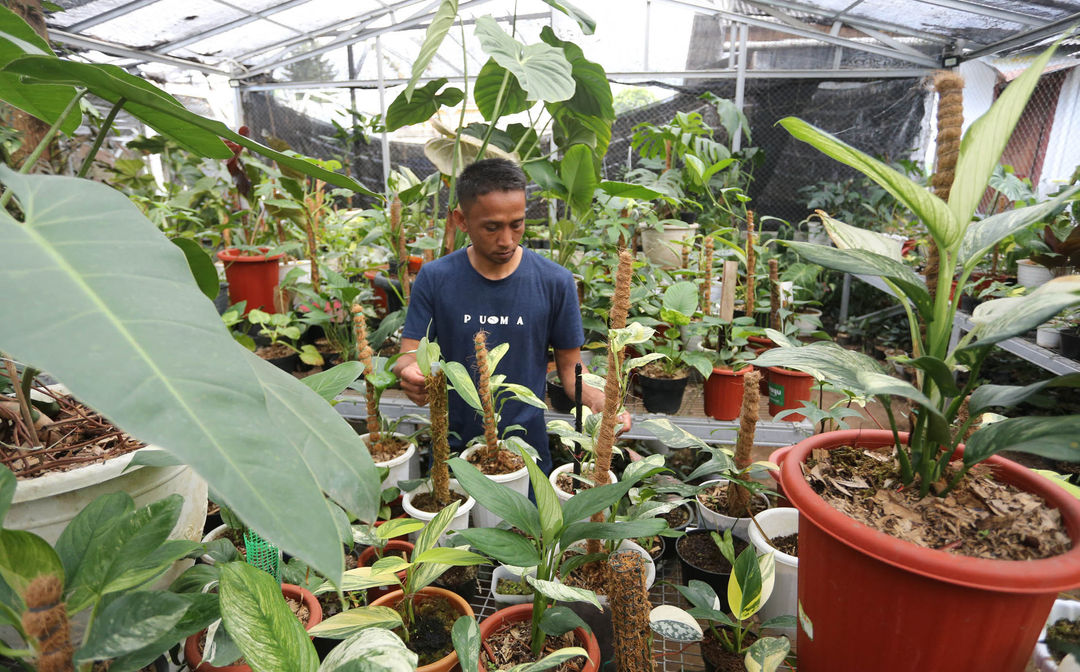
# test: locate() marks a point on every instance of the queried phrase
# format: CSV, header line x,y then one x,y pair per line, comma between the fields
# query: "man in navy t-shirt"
x,y
513,294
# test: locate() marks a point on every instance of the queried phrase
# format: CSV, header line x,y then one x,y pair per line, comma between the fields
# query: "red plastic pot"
x,y
523,612
191,645
788,389
368,558
724,393
252,278
763,342
382,301
450,660
415,262
880,603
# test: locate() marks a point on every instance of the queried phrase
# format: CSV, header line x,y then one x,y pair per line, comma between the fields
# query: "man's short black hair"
x,y
484,177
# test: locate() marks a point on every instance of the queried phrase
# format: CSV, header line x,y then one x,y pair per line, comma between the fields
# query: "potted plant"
x,y
927,588
663,381
776,531
467,642
725,344
282,330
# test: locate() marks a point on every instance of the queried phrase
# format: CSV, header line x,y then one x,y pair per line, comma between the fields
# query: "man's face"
x,y
495,222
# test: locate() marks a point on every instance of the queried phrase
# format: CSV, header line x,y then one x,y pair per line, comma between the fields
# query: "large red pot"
x,y
523,612
880,603
369,556
251,278
193,655
724,393
788,388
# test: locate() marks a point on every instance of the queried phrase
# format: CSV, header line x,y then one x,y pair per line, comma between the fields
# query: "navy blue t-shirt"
x,y
534,307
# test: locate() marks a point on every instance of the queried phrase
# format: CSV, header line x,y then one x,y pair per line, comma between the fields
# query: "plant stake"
x,y
738,497
751,262
364,355
630,612
774,294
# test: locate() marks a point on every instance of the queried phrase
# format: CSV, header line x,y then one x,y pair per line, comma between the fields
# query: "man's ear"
x,y
457,219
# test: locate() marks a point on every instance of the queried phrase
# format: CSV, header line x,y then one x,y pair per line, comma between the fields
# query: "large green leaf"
x,y
504,546
349,622
541,70
332,382
985,140
23,557
202,610
89,525
766,654
592,93
202,267
682,297
627,529
466,637
584,21
462,383
372,650
570,128
849,237
514,507
981,236
587,502
1000,319
929,208
561,593
46,102
988,396
86,261
424,102
629,190
1055,438
437,29
578,173
261,624
486,92
130,621
163,113
868,263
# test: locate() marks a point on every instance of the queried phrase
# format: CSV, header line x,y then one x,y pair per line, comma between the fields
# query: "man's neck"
x,y
494,271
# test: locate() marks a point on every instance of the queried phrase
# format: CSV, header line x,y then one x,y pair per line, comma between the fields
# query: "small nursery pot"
x,y
449,661
251,278
724,393
402,467
460,520
518,481
512,574
369,556
193,655
1041,658
213,534
662,395
569,468
717,579
1070,343
560,401
719,521
523,612
1048,337
778,522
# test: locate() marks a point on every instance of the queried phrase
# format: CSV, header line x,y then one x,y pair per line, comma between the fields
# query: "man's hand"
x,y
412,382
627,420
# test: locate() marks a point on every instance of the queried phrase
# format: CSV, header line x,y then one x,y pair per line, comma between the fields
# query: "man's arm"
x,y
565,360
408,372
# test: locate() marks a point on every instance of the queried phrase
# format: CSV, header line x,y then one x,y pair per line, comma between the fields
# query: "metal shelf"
x,y
1023,348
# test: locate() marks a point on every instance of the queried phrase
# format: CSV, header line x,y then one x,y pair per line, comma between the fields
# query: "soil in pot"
x,y
653,545
715,498
513,646
789,543
677,518
590,576
511,587
1062,638
571,485
981,518
387,447
429,634
701,551
460,580
425,501
718,658
497,462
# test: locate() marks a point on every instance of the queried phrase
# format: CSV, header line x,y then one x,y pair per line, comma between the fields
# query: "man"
x,y
513,294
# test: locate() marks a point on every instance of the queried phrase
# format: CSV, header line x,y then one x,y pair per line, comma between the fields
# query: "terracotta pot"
x,y
415,262
523,612
788,388
369,557
449,661
191,645
251,278
724,393
931,610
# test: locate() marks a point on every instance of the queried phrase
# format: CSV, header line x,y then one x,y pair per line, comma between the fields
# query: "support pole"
x,y
740,82
382,110
630,612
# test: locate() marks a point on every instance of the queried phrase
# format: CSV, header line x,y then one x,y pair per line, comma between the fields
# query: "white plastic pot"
x,y
569,468
1048,337
518,481
460,520
1031,274
513,574
779,522
1041,658
402,467
718,521
664,247
808,321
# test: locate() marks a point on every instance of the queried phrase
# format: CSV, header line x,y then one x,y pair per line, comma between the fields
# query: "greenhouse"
x,y
443,335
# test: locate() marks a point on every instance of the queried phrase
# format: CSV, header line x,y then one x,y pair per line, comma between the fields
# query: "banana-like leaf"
x,y
981,236
86,261
629,190
1056,438
371,650
988,396
675,624
578,172
631,529
514,507
929,208
541,70
46,102
348,622
766,654
985,140
486,92
1001,319
847,237
461,382
360,578
437,30
553,590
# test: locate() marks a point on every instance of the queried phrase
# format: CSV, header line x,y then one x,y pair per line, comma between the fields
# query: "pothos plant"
x,y
282,329
931,305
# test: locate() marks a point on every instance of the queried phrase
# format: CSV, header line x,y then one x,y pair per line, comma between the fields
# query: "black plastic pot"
x,y
662,395
669,542
718,580
557,393
1070,343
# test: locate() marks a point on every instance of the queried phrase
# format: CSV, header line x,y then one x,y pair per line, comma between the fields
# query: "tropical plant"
x,y
678,307
931,310
466,636
283,329
725,342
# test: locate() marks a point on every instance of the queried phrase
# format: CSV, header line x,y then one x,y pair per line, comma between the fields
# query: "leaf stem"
x,y
45,140
102,132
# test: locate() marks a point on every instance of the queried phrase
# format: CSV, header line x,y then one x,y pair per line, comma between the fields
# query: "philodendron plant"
x,y
931,311
547,528
466,637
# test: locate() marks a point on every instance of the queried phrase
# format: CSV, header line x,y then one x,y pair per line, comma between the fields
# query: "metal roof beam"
x,y
108,15
830,16
119,50
1026,38
353,39
982,9
810,33
229,25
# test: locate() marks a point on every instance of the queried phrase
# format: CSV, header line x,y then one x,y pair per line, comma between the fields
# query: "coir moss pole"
x,y
365,356
435,385
630,612
774,294
950,116
751,262
706,277
45,621
487,402
738,497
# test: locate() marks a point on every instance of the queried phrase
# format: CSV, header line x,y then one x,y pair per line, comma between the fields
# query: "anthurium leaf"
x,y
675,624
541,70
584,21
23,557
371,650
486,92
348,622
981,236
507,547
578,172
46,102
766,654
989,396
514,507
202,267
558,621
629,190
261,623
847,237
554,590
129,622
1056,438
622,530
424,102
1001,319
868,263
133,298
929,208
332,382
437,29
985,140
592,97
